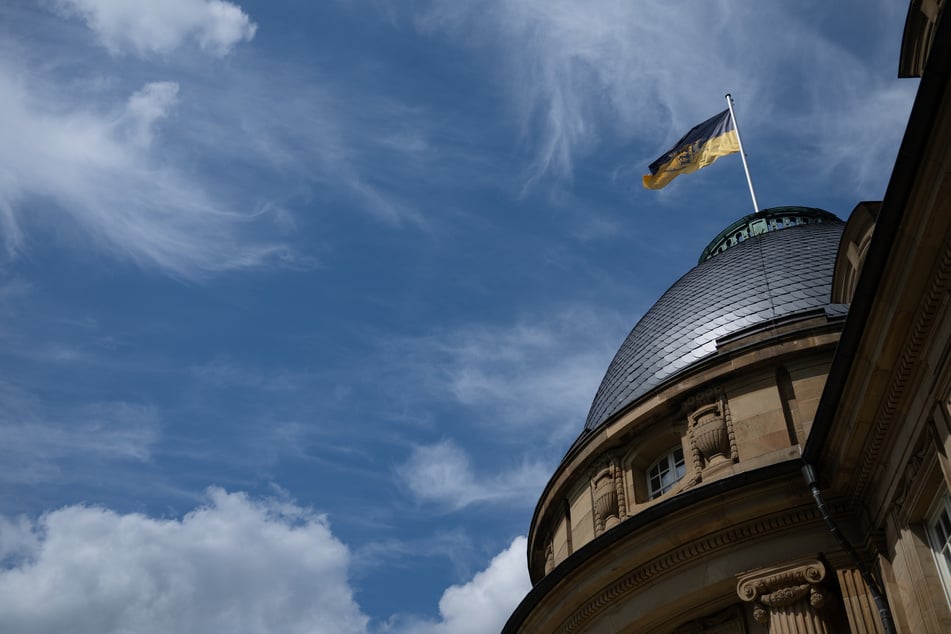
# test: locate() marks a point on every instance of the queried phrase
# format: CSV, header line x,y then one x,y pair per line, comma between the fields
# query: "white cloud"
x,y
157,27
145,108
17,539
91,169
538,373
41,442
441,474
236,565
296,123
482,605
582,75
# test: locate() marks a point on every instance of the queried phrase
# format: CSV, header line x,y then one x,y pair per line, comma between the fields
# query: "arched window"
x,y
666,472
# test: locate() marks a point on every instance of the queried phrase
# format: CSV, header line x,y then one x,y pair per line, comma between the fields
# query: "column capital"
x,y
785,593
778,580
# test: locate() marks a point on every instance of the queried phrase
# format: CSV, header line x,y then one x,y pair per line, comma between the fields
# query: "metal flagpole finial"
x,y
739,142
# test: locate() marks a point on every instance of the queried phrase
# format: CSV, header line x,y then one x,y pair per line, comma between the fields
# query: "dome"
x,y
766,266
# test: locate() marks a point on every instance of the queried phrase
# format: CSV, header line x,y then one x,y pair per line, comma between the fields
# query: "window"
x,y
939,534
666,472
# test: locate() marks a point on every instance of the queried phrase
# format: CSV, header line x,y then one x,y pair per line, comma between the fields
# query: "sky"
x,y
301,303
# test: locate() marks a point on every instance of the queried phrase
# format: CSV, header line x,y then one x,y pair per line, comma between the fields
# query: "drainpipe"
x,y
884,613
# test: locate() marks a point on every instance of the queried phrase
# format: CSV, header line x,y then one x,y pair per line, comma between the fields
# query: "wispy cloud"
x,y
144,109
93,168
537,374
148,28
225,372
42,441
308,132
583,76
441,474
138,173
454,545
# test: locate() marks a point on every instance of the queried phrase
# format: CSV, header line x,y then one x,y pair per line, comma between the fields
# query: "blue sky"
x,y
302,302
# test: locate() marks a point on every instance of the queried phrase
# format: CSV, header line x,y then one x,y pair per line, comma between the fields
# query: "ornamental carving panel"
x,y
708,429
607,495
710,433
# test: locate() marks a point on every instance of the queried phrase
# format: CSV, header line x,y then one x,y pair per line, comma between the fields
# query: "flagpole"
x,y
739,141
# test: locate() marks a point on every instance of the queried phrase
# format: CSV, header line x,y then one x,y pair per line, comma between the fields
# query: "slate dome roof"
x,y
764,266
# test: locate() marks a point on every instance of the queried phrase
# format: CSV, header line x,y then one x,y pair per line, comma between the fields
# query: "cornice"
x,y
901,376
721,540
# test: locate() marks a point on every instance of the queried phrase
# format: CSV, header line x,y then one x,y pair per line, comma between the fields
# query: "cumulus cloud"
x,y
482,605
90,168
235,565
441,474
145,28
17,539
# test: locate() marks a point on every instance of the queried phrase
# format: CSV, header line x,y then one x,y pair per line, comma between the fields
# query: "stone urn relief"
x,y
710,435
607,513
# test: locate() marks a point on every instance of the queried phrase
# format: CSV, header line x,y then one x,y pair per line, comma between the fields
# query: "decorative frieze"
x,y
719,541
787,597
907,364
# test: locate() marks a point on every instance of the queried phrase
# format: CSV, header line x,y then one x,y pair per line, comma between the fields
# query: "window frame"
x,y
938,530
668,463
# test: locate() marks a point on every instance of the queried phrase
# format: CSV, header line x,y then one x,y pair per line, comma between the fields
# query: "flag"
x,y
700,147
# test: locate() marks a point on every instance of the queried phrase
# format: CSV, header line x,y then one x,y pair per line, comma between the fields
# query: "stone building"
x,y
769,449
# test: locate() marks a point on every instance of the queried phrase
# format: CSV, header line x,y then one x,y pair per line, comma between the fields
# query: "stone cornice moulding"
x,y
721,540
901,376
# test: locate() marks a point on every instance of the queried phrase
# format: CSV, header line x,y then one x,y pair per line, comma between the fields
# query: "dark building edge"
x,y
935,82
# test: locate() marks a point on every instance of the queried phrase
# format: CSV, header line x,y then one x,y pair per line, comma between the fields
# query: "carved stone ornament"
x,y
698,398
710,432
607,493
787,597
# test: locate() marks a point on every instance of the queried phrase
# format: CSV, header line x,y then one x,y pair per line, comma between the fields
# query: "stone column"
x,y
787,597
860,607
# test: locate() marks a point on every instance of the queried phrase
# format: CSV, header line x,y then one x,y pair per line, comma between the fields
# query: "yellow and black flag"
x,y
700,147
